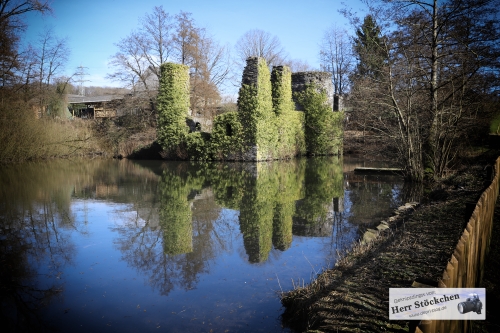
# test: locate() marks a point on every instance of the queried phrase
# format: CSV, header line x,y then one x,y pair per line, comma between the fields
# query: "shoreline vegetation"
x,y
28,139
414,248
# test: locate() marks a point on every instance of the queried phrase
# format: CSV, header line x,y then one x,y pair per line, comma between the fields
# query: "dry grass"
x,y
120,138
25,138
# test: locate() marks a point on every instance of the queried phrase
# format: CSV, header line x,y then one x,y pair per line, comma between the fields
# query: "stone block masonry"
x,y
251,72
322,80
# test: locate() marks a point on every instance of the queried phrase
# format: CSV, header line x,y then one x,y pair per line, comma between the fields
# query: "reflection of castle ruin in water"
x,y
275,200
173,223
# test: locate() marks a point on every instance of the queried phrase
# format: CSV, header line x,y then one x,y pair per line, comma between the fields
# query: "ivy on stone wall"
x,y
255,108
289,123
198,146
281,79
267,135
265,127
322,127
226,142
173,108
291,139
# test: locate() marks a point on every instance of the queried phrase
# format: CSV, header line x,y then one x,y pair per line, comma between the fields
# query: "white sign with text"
x,y
437,303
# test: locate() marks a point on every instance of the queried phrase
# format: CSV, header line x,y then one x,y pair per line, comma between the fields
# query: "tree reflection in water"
x,y
35,221
170,222
174,243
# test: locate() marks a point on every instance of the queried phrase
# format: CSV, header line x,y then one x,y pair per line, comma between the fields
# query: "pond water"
x,y
126,246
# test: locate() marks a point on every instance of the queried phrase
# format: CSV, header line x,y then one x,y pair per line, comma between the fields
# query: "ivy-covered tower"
x,y
255,108
173,108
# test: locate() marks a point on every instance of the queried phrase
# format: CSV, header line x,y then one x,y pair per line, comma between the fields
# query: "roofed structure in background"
x,y
92,107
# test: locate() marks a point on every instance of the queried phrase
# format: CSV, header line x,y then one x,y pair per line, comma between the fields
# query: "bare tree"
x,y
258,43
186,38
157,42
11,12
11,25
51,57
209,71
41,66
430,90
298,65
141,53
132,66
163,38
337,58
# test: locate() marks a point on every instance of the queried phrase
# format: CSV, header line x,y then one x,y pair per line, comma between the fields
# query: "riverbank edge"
x,y
353,296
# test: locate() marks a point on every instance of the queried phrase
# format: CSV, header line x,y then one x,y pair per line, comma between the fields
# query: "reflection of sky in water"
x,y
101,289
114,273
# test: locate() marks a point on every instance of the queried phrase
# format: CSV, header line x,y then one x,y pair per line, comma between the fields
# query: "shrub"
x,y
26,138
226,141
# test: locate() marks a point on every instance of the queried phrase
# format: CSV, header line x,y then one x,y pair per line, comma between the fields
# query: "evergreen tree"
x,y
369,49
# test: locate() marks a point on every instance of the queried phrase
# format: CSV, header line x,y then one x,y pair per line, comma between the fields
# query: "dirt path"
x,y
353,297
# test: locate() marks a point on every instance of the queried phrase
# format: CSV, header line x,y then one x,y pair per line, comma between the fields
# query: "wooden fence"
x,y
466,266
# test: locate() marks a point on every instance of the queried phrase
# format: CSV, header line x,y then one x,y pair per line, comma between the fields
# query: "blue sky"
x,y
93,27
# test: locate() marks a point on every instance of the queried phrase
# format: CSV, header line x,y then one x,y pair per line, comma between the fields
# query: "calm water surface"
x,y
123,246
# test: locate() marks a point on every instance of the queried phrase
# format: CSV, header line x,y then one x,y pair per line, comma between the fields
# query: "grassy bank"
x,y
353,297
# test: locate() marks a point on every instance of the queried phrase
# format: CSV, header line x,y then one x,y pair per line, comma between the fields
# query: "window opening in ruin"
x,y
229,130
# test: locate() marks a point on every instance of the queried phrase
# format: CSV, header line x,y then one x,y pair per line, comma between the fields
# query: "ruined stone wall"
x,y
255,110
267,125
323,80
338,103
251,72
289,123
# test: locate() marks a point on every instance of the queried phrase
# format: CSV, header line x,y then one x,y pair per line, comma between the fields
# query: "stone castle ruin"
x,y
280,115
300,80
279,130
322,80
